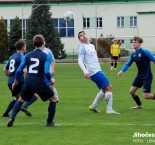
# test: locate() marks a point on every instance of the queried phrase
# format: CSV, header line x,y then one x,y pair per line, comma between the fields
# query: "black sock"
x,y
115,64
137,100
111,64
51,112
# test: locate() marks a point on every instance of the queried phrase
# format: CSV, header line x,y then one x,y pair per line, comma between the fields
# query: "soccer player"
x,y
142,58
10,70
24,108
38,64
115,53
88,62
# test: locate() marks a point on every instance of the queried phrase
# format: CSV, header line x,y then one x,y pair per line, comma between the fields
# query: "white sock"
x,y
56,94
108,98
98,99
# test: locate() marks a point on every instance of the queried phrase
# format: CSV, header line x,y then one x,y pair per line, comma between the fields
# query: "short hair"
x,y
19,44
38,40
80,33
139,39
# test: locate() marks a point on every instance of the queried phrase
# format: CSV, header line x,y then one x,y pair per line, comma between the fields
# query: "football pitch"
x,y
79,126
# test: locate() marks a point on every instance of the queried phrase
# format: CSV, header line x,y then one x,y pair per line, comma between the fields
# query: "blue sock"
x,y
27,104
51,112
10,106
16,109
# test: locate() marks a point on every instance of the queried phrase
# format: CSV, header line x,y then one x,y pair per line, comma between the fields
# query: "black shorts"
x,y
114,57
41,89
17,89
146,83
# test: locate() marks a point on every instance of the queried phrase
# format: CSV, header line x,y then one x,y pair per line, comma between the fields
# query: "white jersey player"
x,y
88,62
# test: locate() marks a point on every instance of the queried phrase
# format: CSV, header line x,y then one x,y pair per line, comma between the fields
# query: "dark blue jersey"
x,y
142,58
13,64
38,64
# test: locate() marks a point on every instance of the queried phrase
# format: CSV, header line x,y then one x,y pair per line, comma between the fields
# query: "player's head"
x,y
83,37
115,41
20,46
136,42
137,39
38,41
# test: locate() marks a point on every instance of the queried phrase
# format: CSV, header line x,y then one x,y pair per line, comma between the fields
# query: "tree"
x,y
15,34
40,22
3,41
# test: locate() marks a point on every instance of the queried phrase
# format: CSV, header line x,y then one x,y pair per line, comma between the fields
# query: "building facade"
x,y
121,19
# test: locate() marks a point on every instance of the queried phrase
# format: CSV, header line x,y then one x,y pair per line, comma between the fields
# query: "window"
x,y
86,22
133,21
99,22
65,29
120,21
24,27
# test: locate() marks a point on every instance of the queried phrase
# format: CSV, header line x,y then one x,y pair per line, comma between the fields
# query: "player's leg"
x,y
115,67
15,93
112,63
109,100
24,108
15,111
137,83
101,81
26,95
97,100
10,106
147,89
55,92
46,93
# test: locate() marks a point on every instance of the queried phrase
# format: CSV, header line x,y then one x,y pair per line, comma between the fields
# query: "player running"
x,y
38,64
142,58
10,71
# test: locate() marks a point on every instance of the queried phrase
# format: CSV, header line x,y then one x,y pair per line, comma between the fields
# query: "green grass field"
x,y
79,126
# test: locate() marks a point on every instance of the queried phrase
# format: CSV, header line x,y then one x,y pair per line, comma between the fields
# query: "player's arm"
x,y
149,54
81,54
6,69
19,71
126,66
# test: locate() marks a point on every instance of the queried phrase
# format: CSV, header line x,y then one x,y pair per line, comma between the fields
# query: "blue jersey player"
x,y
10,71
24,108
88,62
142,57
38,64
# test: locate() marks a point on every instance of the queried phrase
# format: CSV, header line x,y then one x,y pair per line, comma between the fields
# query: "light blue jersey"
x,y
49,52
88,60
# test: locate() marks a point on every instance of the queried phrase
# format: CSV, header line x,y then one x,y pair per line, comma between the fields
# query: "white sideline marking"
x,y
84,124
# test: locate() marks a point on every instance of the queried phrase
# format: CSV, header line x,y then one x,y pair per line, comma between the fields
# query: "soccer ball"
x,y
68,16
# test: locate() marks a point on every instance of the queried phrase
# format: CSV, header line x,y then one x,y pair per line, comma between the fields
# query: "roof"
x,y
20,1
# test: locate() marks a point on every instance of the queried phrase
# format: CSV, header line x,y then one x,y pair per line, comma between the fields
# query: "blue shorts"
x,y
146,83
100,80
43,90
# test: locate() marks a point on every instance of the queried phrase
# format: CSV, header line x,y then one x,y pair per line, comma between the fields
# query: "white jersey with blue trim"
x,y
88,60
49,52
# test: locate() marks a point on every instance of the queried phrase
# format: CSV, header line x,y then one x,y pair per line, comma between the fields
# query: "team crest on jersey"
x,y
139,55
